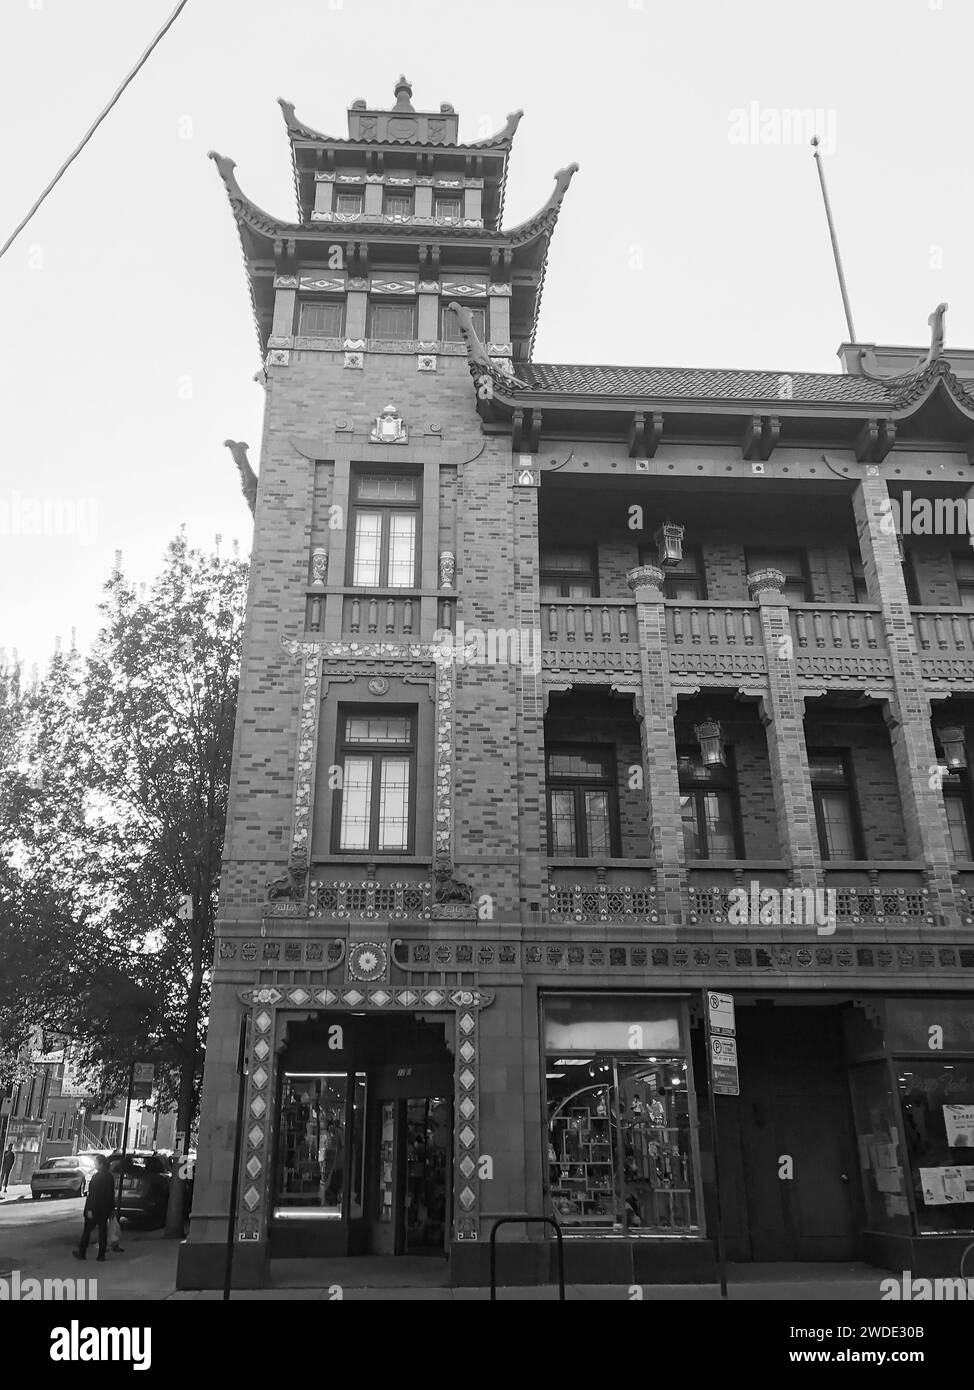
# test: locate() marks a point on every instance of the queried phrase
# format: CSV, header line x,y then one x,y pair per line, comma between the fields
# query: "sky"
x,y
693,235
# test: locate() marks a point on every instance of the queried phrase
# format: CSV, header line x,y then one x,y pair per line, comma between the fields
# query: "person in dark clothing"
x,y
99,1205
5,1166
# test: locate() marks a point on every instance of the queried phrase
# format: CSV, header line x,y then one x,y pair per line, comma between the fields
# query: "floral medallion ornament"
x,y
368,960
448,569
378,685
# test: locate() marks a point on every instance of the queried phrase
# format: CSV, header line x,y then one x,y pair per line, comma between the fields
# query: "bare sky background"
x,y
129,349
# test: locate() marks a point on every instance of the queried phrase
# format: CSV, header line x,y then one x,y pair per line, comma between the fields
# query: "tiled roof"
x,y
706,383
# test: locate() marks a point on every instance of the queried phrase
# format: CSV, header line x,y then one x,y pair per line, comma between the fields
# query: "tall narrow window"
x,y
385,527
582,804
393,323
957,803
964,576
836,813
377,754
792,563
708,808
568,573
320,318
860,590
450,324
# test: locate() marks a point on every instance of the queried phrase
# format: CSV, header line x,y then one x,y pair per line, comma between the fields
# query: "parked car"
x,y
59,1177
145,1187
87,1159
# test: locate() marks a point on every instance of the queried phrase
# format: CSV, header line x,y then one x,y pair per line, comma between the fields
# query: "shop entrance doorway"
x,y
413,1172
364,1152
790,1186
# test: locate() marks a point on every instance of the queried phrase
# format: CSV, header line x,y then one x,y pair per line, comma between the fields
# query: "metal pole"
x,y
721,1251
235,1176
835,243
125,1140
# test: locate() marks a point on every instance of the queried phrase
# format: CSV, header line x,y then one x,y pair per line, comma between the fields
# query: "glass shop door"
x,y
413,1208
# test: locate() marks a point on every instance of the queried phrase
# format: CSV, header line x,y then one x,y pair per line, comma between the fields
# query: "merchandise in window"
x,y
708,808
881,1155
937,1104
376,755
321,1148
620,1122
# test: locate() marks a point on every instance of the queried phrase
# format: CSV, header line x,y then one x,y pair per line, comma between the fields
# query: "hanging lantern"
x,y
954,746
710,736
669,540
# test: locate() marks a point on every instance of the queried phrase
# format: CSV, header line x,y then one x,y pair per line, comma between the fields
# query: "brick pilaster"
x,y
660,775
908,714
783,716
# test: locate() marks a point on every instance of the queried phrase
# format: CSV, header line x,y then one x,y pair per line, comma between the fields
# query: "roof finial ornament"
x,y
936,322
403,92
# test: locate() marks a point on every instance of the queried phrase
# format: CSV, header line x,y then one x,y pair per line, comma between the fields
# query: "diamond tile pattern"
x,y
263,1021
251,1198
467,1166
466,1136
467,1051
467,1078
254,1166
467,1108
262,1049
255,1136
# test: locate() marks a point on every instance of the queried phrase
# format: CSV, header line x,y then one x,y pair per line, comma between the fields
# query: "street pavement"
x,y
36,1238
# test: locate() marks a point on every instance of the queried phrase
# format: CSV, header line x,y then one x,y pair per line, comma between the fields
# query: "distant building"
x,y
569,695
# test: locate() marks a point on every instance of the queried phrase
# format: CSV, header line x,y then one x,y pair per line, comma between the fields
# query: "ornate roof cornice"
x,y
296,129
502,138
543,221
917,387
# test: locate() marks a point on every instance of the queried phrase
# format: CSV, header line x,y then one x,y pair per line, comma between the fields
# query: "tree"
x,y
110,934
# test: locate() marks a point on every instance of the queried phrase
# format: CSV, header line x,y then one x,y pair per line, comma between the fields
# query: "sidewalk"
x,y
147,1271
18,1193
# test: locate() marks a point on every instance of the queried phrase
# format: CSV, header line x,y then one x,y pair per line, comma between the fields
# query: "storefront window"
x,y
321,1146
937,1101
621,1123
881,1160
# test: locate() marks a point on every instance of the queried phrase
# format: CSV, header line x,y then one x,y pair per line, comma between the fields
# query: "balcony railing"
x,y
613,891
599,623
383,614
846,628
723,625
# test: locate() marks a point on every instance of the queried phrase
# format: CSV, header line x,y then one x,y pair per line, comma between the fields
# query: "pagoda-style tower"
x,y
374,794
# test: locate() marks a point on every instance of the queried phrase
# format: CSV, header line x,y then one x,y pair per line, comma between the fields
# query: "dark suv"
x,y
145,1187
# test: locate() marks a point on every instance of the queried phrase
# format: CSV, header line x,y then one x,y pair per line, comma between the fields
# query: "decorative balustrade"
x,y
722,625
385,614
370,899
944,630
583,894
595,623
837,628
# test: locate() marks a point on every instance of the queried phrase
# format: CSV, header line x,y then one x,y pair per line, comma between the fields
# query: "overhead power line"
x,y
94,126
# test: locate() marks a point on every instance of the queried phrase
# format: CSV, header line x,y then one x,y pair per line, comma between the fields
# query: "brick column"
x,y
529,690
660,775
783,716
908,713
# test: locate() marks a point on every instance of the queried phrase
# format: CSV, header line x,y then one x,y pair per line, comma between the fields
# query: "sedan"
x,y
59,1177
145,1188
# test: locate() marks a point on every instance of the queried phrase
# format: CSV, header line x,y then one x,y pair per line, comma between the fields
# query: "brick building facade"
x,y
541,664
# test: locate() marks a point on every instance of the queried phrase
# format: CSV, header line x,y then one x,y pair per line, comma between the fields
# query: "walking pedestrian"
x,y
6,1164
98,1208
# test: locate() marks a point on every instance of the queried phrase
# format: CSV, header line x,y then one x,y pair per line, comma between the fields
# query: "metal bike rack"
x,y
510,1218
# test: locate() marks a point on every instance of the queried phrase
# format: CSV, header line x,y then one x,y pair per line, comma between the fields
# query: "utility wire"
x,y
91,130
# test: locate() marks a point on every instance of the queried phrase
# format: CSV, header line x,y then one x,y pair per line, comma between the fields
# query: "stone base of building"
x,y
924,1256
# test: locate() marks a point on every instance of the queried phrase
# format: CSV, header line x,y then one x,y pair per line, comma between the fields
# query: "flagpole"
x,y
835,244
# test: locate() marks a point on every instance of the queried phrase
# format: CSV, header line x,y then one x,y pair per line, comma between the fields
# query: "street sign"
x,y
720,1013
723,1066
143,1079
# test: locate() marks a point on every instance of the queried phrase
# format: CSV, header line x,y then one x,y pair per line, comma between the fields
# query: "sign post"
x,y
719,1033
